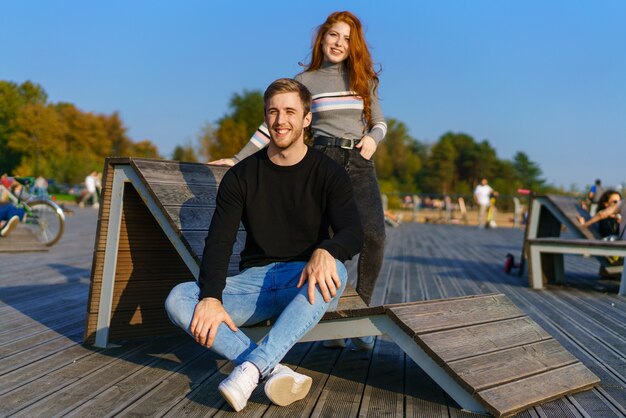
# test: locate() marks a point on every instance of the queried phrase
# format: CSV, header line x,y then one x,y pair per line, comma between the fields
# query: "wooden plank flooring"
x,y
45,371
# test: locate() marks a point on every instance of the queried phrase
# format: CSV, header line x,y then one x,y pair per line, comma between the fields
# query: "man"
x,y
594,196
287,197
482,196
91,182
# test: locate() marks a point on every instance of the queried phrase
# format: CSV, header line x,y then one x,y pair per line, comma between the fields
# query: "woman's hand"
x,y
368,146
223,161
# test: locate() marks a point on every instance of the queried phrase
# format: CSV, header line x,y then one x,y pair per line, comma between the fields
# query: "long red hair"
x,y
362,75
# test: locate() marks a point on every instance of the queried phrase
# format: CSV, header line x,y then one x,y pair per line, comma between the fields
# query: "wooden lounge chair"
x,y
545,247
482,350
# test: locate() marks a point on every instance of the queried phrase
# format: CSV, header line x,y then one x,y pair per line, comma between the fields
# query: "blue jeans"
x,y
7,211
255,295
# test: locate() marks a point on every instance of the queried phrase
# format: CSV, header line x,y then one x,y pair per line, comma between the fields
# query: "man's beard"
x,y
287,141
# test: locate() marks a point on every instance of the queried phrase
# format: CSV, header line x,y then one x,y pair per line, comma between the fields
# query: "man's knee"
x,y
342,272
178,294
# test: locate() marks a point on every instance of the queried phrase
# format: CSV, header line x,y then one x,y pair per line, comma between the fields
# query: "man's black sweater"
x,y
286,211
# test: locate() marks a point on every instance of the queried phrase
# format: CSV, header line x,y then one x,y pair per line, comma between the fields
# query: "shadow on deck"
x,y
44,370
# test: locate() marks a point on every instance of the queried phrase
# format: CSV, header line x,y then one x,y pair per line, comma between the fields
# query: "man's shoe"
x,y
239,385
363,343
338,343
9,226
284,386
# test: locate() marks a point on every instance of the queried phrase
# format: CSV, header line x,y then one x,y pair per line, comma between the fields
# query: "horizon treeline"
x,y
454,164
60,141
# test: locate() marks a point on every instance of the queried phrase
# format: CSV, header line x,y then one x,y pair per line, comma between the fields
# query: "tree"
x,y
37,132
144,149
397,159
528,172
441,167
184,153
12,98
235,128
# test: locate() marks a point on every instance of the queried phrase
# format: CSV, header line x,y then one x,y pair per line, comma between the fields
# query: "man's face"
x,y
285,119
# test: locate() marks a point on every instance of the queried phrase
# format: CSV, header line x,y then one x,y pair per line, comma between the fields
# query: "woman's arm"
x,y
259,140
378,129
603,214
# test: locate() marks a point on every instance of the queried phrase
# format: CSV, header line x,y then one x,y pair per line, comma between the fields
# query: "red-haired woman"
x,y
347,126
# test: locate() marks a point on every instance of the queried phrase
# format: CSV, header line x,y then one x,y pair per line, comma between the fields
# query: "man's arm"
x,y
321,270
347,240
209,312
207,317
218,245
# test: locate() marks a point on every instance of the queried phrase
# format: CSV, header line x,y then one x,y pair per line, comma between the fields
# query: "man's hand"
x,y
224,161
321,270
207,317
368,146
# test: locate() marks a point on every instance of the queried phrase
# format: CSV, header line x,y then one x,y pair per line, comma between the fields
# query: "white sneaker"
x,y
339,343
239,385
284,386
9,226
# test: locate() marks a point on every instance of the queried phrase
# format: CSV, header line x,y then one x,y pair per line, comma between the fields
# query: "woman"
x,y
609,216
347,126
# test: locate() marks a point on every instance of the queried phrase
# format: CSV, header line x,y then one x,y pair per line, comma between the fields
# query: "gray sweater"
x,y
337,111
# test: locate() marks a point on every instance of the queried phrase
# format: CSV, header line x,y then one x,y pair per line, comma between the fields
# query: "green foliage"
x,y
58,140
184,153
13,97
235,128
397,159
528,172
456,163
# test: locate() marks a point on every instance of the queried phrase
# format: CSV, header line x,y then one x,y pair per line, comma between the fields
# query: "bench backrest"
x,y
166,211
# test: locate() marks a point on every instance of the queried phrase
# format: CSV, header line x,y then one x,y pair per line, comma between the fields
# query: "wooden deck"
x,y
45,371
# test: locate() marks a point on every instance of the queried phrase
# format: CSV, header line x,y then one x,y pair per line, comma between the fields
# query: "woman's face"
x,y
614,199
336,43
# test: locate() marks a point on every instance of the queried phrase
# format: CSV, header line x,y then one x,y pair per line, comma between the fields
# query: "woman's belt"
x,y
329,141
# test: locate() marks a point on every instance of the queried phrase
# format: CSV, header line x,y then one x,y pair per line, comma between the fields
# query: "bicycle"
x,y
43,216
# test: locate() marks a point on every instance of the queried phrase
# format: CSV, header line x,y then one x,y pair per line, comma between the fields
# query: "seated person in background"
x,y
287,196
10,215
609,227
611,218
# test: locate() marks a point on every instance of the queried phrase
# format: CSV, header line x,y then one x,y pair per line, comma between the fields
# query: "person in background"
x,y
608,226
10,215
594,196
40,188
482,197
348,125
91,184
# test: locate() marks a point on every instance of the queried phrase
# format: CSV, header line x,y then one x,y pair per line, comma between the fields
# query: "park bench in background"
x,y
546,248
482,350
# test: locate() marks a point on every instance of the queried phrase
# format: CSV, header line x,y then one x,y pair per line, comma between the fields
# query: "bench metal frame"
x,y
546,258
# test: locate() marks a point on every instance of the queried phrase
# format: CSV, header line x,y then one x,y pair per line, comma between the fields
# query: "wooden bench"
x,y
482,350
545,247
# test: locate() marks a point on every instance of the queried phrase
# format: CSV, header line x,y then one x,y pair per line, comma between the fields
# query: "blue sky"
x,y
544,77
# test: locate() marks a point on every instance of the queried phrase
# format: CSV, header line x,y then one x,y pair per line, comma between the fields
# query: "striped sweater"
x,y
337,111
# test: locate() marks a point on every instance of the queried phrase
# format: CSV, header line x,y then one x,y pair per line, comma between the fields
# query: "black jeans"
x,y
369,203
